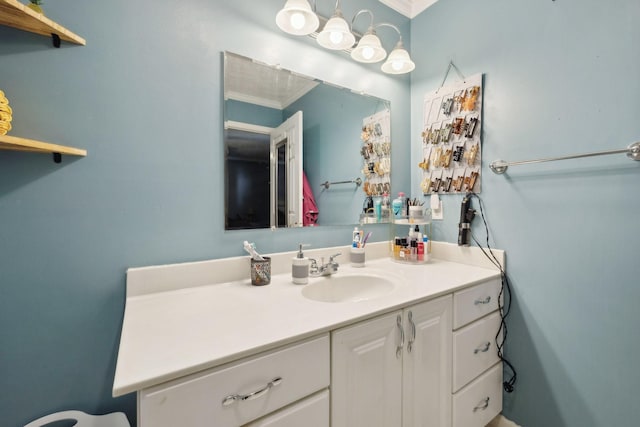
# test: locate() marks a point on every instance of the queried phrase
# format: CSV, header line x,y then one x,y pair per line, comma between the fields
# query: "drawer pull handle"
x,y
482,406
413,332
233,398
483,349
399,347
487,300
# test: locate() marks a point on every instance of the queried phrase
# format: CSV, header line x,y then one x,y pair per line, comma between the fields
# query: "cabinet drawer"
x,y
197,400
474,302
479,402
310,412
474,349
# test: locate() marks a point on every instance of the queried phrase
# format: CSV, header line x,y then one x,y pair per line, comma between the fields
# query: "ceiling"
x,y
256,83
409,8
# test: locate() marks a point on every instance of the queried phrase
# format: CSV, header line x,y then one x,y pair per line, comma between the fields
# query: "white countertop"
x,y
176,332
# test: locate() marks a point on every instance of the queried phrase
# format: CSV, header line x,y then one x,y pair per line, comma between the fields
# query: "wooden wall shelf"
x,y
17,15
23,144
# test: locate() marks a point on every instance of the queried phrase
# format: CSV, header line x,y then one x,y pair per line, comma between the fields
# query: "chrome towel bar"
x,y
357,182
632,151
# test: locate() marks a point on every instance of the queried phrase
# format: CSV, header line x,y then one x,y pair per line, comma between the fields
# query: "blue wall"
x,y
144,98
560,78
251,113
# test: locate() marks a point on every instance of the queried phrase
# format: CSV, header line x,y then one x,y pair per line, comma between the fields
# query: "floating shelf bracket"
x,y
22,144
15,14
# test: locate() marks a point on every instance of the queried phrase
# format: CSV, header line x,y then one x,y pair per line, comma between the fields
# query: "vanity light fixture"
x,y
398,61
369,49
298,18
336,34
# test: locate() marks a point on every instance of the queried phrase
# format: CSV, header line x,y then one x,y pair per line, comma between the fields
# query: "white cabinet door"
x,y
427,364
366,374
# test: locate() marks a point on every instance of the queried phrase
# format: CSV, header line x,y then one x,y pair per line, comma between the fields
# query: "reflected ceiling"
x,y
260,84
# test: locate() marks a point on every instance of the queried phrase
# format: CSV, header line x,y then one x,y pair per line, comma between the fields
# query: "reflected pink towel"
x,y
309,206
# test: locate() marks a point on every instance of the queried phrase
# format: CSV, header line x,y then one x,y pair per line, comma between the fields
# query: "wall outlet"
x,y
436,207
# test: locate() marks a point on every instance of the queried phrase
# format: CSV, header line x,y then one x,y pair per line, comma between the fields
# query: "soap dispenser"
x,y
300,268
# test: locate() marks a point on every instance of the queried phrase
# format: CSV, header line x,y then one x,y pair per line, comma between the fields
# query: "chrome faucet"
x,y
323,269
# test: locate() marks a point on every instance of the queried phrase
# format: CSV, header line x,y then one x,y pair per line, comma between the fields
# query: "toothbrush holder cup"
x,y
357,257
261,271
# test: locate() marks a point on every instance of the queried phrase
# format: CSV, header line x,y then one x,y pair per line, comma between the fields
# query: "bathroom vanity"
x,y
408,345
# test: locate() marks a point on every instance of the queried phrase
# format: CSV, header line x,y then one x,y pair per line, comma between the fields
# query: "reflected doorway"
x,y
247,175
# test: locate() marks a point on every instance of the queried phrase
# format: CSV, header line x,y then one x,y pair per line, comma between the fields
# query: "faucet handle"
x,y
332,257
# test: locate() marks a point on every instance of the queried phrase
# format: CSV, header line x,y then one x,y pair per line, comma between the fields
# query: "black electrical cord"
x,y
505,291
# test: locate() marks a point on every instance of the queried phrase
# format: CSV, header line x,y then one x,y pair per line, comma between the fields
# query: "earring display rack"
x,y
451,137
376,153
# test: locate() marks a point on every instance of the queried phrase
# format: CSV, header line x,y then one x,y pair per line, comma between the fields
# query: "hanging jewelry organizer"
x,y
376,153
451,137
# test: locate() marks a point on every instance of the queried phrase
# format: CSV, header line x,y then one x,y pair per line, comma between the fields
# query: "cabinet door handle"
x,y
413,332
487,300
233,398
482,349
399,347
484,404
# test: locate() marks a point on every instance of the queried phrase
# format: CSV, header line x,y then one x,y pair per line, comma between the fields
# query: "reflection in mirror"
x,y
285,135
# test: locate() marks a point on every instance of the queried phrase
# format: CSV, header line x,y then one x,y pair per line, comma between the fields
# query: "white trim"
x,y
409,8
247,127
263,102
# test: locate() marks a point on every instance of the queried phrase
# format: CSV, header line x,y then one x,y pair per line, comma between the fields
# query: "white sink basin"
x,y
347,287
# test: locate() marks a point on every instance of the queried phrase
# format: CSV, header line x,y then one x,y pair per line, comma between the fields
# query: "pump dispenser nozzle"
x,y
300,254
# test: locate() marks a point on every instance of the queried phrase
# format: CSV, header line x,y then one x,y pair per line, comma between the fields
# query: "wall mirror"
x,y
287,136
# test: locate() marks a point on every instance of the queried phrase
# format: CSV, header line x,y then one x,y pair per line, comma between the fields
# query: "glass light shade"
x,y
336,34
297,18
398,62
369,49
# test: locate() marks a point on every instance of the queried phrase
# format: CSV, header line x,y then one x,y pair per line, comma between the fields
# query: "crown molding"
x,y
409,8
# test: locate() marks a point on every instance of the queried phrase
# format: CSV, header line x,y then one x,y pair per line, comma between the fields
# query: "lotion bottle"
x,y
398,205
355,242
300,268
420,247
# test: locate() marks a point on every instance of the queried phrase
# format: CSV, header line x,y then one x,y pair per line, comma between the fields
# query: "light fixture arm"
x,y
386,24
337,11
370,28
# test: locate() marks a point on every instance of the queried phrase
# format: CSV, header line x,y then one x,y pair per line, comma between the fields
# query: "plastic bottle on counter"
x,y
300,268
399,205
425,243
377,208
385,206
355,242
